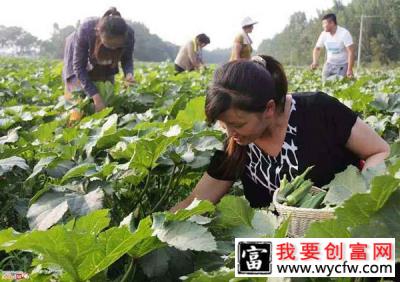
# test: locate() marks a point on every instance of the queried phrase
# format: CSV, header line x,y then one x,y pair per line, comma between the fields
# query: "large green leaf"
x,y
146,152
81,170
96,118
109,247
174,130
46,131
69,134
162,220
331,228
17,151
384,223
41,165
167,264
155,264
195,208
183,235
207,143
194,112
282,230
6,123
11,137
61,245
106,132
130,175
389,103
54,245
107,141
382,187
110,126
344,185
357,210
93,223
264,224
149,241
7,165
371,172
51,207
58,168
106,90
234,211
79,247
146,245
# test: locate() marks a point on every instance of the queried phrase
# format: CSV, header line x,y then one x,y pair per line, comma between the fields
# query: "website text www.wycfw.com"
x,y
327,270
315,257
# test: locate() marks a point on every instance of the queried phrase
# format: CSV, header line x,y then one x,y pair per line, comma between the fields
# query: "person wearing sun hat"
x,y
242,44
93,52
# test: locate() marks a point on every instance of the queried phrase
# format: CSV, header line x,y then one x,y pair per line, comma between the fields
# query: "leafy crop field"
x,y
88,201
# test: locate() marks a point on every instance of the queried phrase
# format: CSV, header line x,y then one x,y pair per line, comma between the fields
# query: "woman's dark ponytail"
x,y
278,75
112,24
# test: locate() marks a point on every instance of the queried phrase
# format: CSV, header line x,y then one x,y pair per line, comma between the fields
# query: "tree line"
x,y
293,46
148,47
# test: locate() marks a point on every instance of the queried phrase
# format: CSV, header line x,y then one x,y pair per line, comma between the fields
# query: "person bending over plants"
x,y
93,52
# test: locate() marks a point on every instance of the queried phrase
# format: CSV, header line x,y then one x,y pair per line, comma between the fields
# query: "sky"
x,y
176,21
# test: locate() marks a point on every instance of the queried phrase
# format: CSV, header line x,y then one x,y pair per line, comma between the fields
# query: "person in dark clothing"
x,y
272,133
93,53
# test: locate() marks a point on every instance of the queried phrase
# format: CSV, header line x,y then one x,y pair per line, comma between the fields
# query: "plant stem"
x,y
131,269
169,186
160,201
176,182
144,189
172,177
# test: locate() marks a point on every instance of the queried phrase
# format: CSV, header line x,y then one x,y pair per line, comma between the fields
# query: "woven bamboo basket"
x,y
301,218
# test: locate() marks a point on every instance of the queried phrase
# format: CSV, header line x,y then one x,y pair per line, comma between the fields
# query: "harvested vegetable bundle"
x,y
297,193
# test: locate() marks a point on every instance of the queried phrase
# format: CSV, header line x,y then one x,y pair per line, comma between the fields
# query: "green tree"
x,y
54,47
18,41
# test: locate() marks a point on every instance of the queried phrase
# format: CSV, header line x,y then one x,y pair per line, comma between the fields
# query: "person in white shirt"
x,y
339,48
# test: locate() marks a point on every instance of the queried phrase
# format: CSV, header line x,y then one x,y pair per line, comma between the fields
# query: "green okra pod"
x,y
299,193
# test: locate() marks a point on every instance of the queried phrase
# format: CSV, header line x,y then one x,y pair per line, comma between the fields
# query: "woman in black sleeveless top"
x,y
272,133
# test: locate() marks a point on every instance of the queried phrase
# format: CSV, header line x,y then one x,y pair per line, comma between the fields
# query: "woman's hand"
x,y
98,103
203,67
314,66
208,188
129,79
349,73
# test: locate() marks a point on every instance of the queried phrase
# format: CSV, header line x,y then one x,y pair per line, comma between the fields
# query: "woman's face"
x,y
248,29
112,42
245,127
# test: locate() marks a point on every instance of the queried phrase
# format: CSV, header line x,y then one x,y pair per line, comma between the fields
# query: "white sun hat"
x,y
248,21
